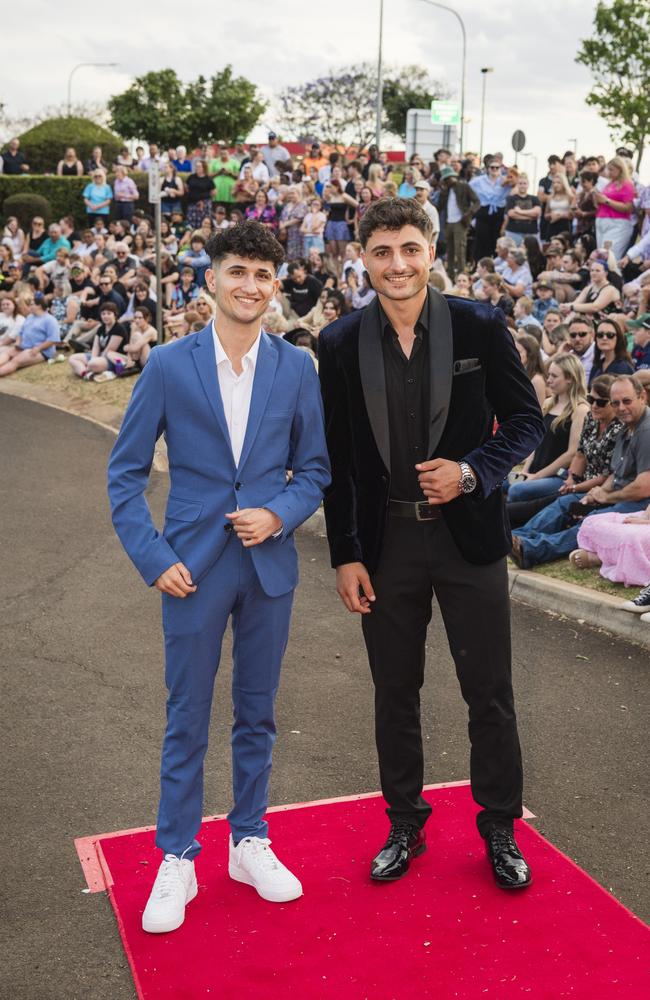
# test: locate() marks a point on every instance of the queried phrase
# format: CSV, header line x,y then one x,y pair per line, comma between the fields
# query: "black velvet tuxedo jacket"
x,y
475,375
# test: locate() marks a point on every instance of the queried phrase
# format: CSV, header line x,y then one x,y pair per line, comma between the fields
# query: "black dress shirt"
x,y
407,398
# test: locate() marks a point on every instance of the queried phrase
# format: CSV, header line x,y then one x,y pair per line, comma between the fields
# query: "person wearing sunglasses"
x,y
581,342
611,354
553,532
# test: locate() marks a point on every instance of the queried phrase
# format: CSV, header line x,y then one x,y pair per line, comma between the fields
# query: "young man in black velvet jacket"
x,y
411,387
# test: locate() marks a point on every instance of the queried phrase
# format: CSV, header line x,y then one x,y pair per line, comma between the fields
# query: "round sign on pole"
x,y
518,141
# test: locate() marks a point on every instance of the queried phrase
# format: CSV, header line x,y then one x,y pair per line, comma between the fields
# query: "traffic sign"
x,y
154,182
518,140
445,113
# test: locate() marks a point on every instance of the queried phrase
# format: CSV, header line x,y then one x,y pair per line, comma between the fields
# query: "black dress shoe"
x,y
405,841
508,863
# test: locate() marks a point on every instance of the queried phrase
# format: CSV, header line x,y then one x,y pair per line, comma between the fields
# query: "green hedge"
x,y
65,194
44,144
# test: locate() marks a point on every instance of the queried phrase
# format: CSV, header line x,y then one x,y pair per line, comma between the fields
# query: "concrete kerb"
x,y
587,607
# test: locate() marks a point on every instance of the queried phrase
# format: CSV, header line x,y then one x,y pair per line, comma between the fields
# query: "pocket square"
x,y
465,365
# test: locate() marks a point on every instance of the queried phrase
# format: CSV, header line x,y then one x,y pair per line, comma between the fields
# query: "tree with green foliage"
x,y
618,56
159,107
340,108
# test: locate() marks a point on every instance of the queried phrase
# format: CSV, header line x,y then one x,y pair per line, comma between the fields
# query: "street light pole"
x,y
380,82
451,10
73,71
484,70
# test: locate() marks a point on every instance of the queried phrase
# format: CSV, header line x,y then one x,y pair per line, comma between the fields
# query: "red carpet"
x,y
445,931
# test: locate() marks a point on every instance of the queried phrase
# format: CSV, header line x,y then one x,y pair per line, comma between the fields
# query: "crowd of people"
x,y
567,261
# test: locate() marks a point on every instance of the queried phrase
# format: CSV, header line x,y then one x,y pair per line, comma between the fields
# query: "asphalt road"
x,y
82,713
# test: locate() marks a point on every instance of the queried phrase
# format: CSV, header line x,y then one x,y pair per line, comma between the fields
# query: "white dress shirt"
x,y
236,391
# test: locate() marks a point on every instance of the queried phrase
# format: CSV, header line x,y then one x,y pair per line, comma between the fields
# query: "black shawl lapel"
x,y
441,353
373,378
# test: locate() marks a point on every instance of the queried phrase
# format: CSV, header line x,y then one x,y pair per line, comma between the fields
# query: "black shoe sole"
x,y
520,885
395,878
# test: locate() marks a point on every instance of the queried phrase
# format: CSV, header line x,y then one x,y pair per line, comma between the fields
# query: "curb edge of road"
x,y
556,597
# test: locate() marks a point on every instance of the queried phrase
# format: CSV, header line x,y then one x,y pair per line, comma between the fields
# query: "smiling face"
x,y
398,261
243,288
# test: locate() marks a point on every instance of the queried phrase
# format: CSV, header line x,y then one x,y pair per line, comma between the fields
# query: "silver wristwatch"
x,y
467,482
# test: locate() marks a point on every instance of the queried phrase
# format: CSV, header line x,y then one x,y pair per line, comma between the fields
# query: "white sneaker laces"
x,y
169,878
259,849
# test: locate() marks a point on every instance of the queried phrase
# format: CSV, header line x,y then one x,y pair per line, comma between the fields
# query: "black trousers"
x,y
419,559
486,232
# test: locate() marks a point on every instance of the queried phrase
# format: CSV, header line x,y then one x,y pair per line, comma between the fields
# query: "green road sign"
x,y
445,113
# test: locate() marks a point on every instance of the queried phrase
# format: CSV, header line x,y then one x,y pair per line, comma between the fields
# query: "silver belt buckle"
x,y
424,511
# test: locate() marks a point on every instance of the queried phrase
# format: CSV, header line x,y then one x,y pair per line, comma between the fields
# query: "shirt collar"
x,y
249,359
421,326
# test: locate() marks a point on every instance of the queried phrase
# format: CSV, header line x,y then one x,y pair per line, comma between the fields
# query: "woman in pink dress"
x,y
615,206
619,544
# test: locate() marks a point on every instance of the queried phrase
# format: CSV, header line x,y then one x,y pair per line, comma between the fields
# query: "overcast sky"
x,y
536,85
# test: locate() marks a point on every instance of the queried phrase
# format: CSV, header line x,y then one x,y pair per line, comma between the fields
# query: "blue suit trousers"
x,y
194,627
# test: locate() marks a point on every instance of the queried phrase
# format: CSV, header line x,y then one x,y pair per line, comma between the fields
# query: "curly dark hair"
x,y
247,239
394,214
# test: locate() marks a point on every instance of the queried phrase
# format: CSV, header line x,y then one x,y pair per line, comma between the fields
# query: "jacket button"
x,y
227,527
237,486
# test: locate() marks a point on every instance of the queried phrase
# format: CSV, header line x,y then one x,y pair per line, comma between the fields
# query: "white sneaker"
x,y
254,863
174,888
645,617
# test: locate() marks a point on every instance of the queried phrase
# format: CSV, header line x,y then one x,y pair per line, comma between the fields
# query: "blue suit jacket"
x,y
178,395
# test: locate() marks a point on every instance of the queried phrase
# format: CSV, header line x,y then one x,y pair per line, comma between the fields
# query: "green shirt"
x,y
224,184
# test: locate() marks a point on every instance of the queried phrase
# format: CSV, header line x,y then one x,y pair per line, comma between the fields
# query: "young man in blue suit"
x,y
411,386
238,409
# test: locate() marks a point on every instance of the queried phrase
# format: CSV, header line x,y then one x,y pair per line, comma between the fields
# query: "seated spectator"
x,y
11,322
95,162
83,331
531,358
35,342
63,306
204,307
493,290
36,237
301,289
544,471
516,274
523,313
136,351
47,251
13,237
620,545
140,298
552,533
600,296
641,349
125,193
54,270
196,257
97,197
263,212
70,165
503,247
358,293
185,291
484,267
463,287
611,354
109,336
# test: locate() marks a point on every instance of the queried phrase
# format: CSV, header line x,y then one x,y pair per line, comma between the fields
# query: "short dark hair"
x,y
589,175
394,214
585,320
146,314
109,307
247,239
296,265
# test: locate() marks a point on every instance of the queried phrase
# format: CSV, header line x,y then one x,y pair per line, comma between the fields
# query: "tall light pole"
x,y
451,10
74,70
575,146
380,82
484,70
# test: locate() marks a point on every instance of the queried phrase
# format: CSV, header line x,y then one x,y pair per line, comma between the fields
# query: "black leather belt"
x,y
423,511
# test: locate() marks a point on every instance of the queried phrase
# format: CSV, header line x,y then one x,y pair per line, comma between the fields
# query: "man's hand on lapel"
x,y
439,480
254,525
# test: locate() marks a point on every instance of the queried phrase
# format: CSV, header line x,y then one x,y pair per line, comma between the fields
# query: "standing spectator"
x,y
13,160
97,197
199,195
246,188
555,167
365,201
558,207
70,165
492,193
522,212
337,232
313,227
36,341
611,355
313,159
125,194
458,204
291,218
273,154
153,157
180,161
615,207
95,162
586,207
422,192
124,159
260,170
407,187
225,171
171,190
